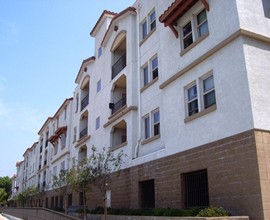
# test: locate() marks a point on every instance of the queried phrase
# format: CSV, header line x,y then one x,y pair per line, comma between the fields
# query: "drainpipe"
x,y
136,153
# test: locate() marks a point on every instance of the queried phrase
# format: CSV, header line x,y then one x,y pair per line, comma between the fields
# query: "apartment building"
x,y
182,87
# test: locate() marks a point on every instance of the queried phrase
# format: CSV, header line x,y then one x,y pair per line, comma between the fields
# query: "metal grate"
x,y
195,189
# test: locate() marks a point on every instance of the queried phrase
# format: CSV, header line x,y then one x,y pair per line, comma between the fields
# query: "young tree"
x,y
103,166
3,196
80,179
60,185
32,193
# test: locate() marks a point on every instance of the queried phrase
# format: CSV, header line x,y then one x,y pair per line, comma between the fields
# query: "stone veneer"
x,y
238,169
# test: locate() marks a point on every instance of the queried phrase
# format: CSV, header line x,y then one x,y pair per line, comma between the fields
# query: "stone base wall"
x,y
238,171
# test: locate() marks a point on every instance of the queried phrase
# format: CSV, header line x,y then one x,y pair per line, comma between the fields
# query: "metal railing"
x,y
119,65
83,132
122,102
84,102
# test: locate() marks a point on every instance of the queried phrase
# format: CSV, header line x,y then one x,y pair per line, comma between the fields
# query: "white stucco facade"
x,y
112,110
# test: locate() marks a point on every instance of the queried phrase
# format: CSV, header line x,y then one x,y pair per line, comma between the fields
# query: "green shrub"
x,y
148,212
213,212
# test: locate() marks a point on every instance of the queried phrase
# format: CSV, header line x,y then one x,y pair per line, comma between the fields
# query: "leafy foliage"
x,y
103,164
213,212
27,195
3,197
148,212
60,184
6,184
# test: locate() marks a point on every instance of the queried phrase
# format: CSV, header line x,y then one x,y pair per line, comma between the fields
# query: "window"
x,y
156,123
63,140
62,165
187,35
209,97
195,189
151,124
97,123
202,25
146,127
144,29
98,85
154,68
99,52
148,25
77,102
65,113
266,8
200,95
54,171
192,100
152,19
151,73
74,134
145,75
196,28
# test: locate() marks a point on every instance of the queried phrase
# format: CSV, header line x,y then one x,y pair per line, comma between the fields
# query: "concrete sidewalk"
x,y
2,217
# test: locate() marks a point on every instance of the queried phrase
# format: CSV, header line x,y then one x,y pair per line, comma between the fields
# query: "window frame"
x,y
97,122
202,109
203,93
201,24
98,85
154,21
152,71
149,128
189,101
148,24
100,51
157,123
195,33
144,29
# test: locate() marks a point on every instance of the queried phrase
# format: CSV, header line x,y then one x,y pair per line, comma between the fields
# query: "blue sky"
x,y
42,45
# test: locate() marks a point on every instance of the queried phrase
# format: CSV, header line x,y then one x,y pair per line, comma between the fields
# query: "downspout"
x,y
136,153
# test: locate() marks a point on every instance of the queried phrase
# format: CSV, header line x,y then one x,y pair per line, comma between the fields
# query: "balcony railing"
x,y
84,102
116,106
119,65
83,132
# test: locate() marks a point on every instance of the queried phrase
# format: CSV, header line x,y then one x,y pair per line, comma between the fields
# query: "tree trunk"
x,y
105,207
84,206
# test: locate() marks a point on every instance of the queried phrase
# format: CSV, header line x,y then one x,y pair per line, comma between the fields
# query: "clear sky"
x,y
42,45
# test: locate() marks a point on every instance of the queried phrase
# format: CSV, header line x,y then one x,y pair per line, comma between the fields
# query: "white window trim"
x,y
148,22
148,64
98,85
190,85
97,122
200,93
191,17
151,124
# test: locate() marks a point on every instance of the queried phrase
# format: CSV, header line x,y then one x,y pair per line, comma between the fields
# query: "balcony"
x,y
119,65
83,132
84,102
118,105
